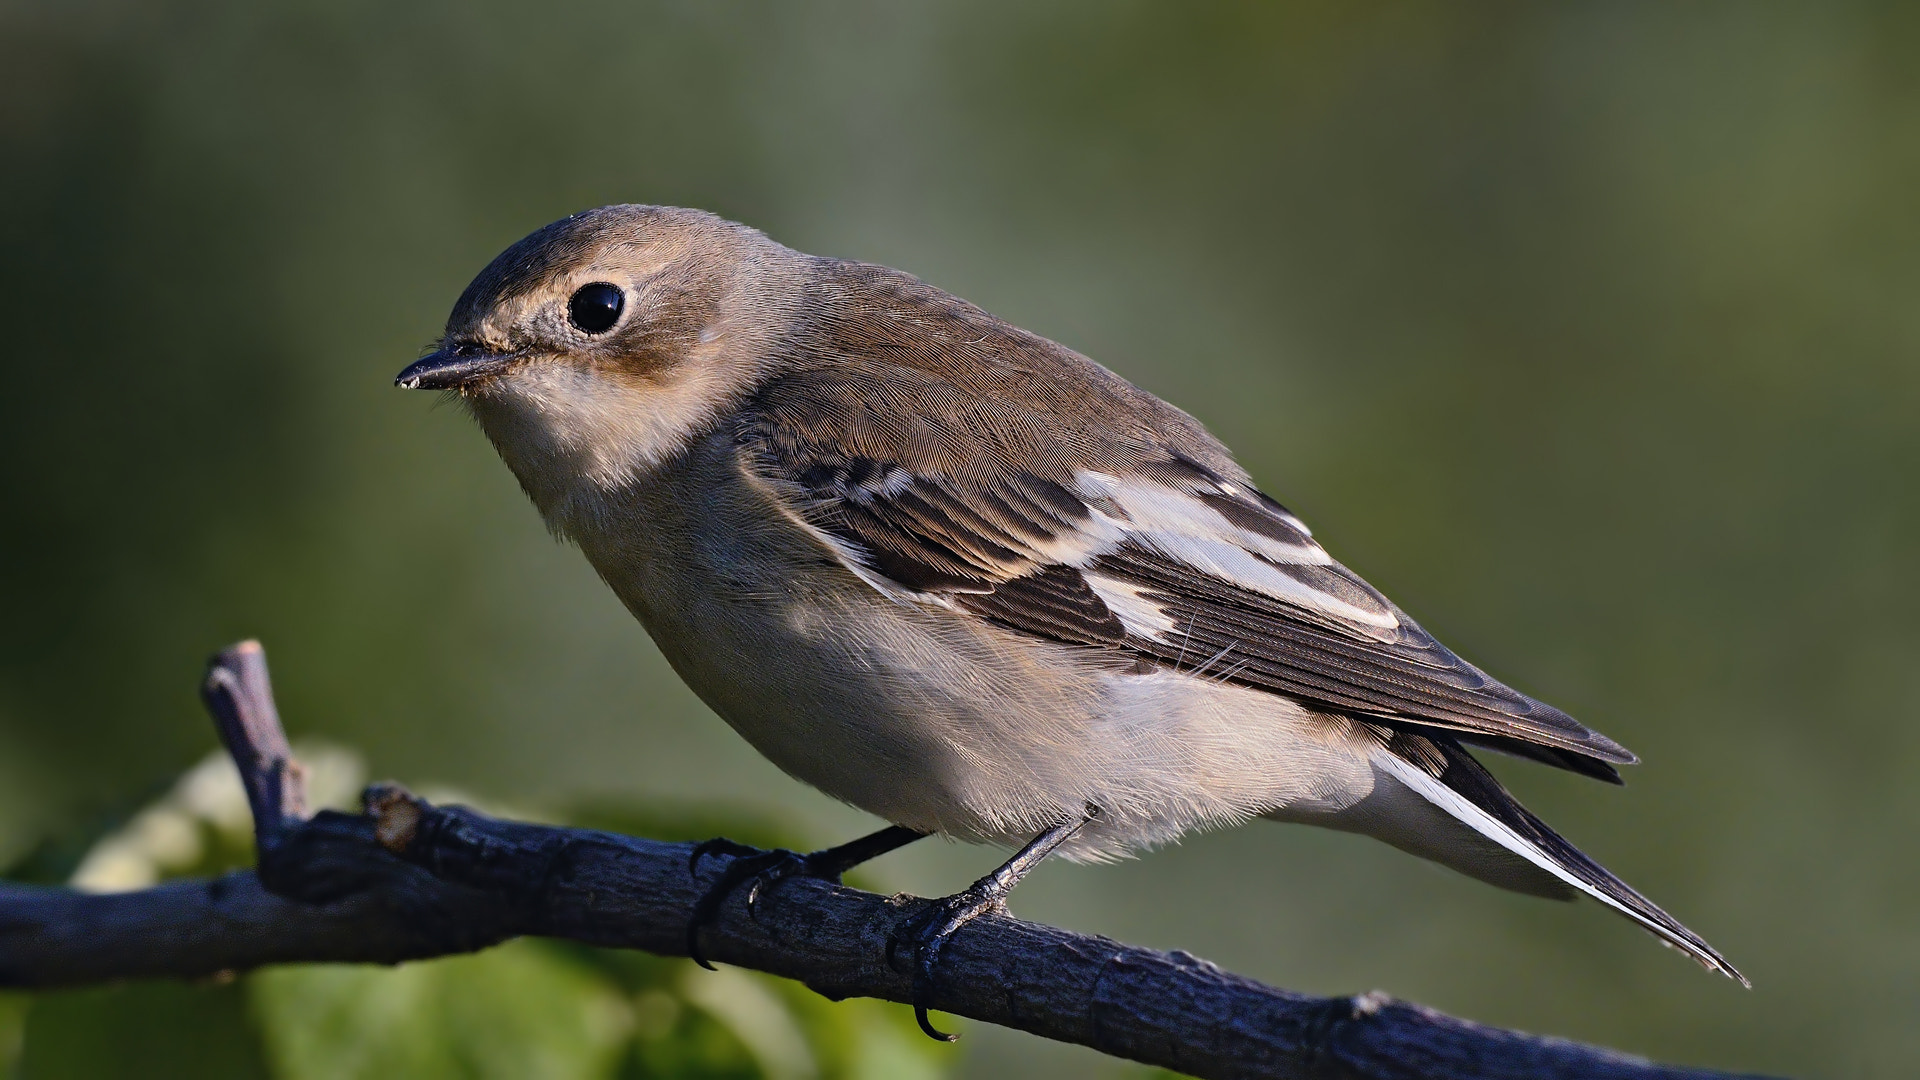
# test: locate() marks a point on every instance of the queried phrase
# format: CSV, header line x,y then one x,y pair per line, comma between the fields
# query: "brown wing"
x,y
1117,544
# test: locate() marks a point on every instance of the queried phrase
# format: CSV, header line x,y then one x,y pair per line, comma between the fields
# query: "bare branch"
x,y
240,696
406,880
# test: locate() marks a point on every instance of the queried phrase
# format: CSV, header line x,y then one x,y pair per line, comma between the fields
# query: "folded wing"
x,y
1128,547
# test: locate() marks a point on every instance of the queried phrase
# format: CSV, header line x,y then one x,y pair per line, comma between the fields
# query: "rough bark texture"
x,y
406,880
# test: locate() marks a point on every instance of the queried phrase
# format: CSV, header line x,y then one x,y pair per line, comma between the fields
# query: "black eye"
x,y
596,307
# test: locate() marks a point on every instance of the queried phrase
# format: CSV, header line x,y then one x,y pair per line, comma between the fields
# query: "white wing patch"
x,y
1181,527
1156,510
1257,553
1142,617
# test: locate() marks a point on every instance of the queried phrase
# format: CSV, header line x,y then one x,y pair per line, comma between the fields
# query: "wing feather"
x,y
1131,548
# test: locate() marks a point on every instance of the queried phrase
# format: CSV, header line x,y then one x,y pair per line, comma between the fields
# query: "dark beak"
x,y
452,368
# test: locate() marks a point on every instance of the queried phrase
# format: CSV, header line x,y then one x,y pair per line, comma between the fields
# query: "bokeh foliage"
x,y
1586,331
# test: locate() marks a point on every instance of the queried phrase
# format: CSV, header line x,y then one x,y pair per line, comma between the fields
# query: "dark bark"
x,y
406,880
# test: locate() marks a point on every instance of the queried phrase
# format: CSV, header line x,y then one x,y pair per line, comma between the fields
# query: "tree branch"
x,y
406,880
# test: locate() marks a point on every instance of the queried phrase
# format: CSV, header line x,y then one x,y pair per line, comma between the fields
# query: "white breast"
x,y
576,435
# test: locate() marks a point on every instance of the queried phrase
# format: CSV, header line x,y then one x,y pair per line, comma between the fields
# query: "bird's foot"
x,y
760,870
755,868
927,933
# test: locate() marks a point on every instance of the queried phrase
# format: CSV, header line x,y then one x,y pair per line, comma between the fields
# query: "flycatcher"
x,y
970,581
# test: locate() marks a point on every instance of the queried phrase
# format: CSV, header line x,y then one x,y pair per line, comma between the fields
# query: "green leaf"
x,y
518,1010
691,1024
150,1030
864,1039
13,1033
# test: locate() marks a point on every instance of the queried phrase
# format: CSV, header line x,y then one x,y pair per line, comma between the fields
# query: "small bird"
x,y
970,581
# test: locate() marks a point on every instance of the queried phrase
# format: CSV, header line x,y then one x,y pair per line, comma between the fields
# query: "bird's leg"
x,y
928,932
767,868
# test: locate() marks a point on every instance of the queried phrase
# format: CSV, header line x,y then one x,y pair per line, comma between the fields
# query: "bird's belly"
x,y
884,708
941,723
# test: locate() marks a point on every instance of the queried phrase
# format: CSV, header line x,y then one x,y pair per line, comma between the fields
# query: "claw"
x,y
931,928
791,866
719,845
929,932
768,868
749,864
926,1025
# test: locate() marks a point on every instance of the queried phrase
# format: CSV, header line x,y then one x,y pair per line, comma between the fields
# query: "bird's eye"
x,y
596,307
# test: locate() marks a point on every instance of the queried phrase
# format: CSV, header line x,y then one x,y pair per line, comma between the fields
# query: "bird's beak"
x,y
453,367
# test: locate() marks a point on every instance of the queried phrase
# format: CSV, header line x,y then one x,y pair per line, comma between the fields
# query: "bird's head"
x,y
598,346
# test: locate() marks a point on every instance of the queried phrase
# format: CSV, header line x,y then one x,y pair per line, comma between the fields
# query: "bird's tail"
x,y
1441,771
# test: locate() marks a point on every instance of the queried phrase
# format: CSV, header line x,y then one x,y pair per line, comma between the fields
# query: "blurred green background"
x,y
1587,332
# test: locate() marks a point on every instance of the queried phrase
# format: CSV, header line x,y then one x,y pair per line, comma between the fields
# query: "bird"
x,y
970,581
